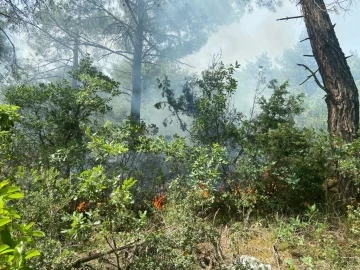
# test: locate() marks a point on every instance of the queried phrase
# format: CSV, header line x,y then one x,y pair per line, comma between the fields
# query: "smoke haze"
x,y
259,32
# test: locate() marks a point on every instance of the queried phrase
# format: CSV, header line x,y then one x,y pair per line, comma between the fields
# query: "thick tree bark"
x,y
341,92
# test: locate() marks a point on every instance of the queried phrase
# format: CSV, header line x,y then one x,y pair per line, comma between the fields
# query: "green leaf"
x,y
128,183
7,250
19,248
38,234
3,184
27,227
32,253
17,195
6,236
10,258
3,247
9,189
4,221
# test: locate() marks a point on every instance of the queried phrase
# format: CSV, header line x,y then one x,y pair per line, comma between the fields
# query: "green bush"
x,y
16,238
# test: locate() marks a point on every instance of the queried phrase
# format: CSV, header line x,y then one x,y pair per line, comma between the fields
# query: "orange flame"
x,y
159,201
83,206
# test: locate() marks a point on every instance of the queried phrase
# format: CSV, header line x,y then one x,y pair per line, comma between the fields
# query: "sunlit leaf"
x,y
4,221
38,233
16,195
32,253
4,247
9,189
27,227
7,250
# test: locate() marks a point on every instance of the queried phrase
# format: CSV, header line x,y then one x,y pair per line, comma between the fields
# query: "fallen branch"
x,y
79,262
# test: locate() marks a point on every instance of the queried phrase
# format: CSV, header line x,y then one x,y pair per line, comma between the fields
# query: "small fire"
x,y
83,206
159,201
205,190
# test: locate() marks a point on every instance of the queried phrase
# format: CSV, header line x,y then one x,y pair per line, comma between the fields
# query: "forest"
x,y
117,153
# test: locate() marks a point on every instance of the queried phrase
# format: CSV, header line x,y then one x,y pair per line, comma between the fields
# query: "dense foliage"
x,y
119,194
229,162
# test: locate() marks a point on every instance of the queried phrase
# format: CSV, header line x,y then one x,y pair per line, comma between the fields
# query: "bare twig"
x,y
171,58
289,18
305,39
309,77
132,12
314,75
98,255
276,255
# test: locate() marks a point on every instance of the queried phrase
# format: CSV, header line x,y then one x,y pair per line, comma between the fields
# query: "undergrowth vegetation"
x,y
108,196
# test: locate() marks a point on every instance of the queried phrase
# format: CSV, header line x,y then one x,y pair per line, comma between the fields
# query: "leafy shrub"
x,y
16,238
9,115
289,164
50,130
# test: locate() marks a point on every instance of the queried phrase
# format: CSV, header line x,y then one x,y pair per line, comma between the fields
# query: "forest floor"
x,y
320,243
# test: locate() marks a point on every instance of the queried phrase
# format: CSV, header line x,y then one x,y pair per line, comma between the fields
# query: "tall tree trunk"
x,y
341,92
137,63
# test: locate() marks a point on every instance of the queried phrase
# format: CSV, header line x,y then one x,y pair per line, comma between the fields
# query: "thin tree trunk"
x,y
75,66
136,84
137,63
341,92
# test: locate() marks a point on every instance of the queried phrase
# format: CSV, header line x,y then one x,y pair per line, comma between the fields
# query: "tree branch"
x,y
96,45
171,58
48,34
131,12
305,39
12,45
313,75
308,77
289,18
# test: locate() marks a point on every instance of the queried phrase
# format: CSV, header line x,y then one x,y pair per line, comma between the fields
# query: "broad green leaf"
x,y
27,227
32,253
38,234
3,184
7,250
16,195
4,221
3,247
9,189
